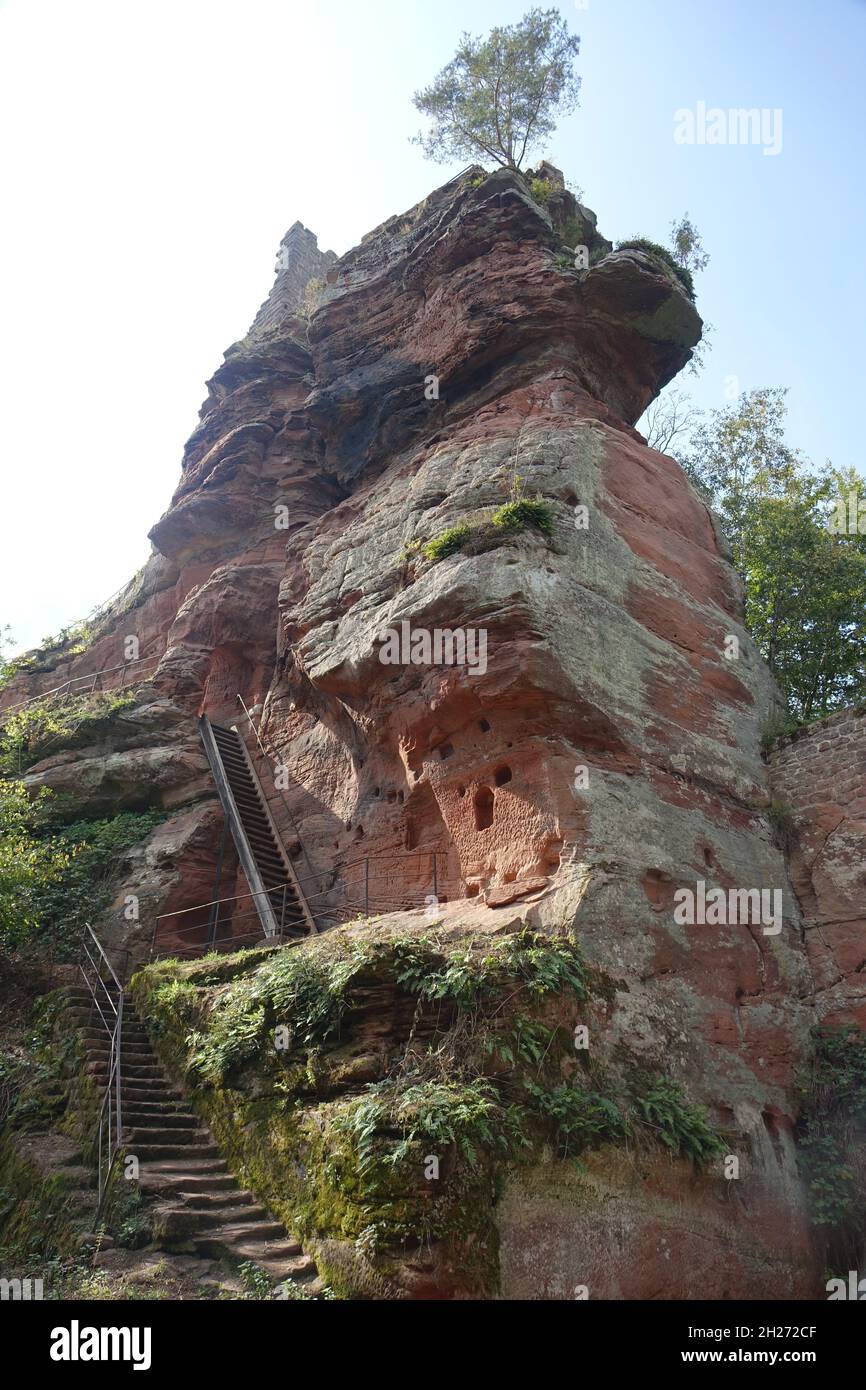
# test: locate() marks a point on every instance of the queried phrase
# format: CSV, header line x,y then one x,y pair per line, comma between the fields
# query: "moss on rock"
x,y
373,1086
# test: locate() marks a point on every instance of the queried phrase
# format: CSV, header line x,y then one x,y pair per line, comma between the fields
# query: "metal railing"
x,y
81,685
110,1010
269,765
223,913
363,887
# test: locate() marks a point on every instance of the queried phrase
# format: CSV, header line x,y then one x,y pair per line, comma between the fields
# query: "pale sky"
x,y
153,154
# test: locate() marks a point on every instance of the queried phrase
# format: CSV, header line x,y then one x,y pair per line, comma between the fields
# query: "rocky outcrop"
x,y
594,753
819,785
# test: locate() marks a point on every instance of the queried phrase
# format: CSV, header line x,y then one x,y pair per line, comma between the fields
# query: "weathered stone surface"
x,y
147,757
607,754
819,781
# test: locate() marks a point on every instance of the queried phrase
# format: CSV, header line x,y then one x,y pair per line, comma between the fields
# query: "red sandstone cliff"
x,y
605,652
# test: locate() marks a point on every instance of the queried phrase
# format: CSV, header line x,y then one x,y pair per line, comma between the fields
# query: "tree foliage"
x,y
805,587
688,248
28,865
499,96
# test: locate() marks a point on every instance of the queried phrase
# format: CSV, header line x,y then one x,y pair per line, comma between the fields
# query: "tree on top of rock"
x,y
499,96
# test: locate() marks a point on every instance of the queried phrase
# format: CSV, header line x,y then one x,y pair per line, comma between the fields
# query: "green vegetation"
x,y
779,726
832,1131
313,292
781,818
92,853
46,725
53,880
520,514
540,190
516,516
661,253
680,1126
580,1119
688,248
775,506
43,1087
70,641
499,96
382,1145
29,866
448,542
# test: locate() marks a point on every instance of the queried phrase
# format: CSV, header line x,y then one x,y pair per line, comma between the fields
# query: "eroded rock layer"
x,y
601,750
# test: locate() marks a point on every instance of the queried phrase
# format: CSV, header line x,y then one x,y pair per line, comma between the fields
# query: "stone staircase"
x,y
196,1203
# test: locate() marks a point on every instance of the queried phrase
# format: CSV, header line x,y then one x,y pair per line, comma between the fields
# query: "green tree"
x,y
738,455
500,95
688,248
805,588
27,864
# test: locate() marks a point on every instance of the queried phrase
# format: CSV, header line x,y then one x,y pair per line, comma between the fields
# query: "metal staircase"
x,y
278,896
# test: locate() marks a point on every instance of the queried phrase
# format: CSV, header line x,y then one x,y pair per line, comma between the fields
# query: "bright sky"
x,y
154,152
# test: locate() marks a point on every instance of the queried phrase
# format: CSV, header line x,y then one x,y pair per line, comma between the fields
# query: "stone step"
x,y
145,1151
135,1071
277,1260
135,1096
219,1186
187,1169
180,1221
206,1209
162,1094
147,1105
165,1134
161,1116
136,1056
81,997
253,1241
205,1199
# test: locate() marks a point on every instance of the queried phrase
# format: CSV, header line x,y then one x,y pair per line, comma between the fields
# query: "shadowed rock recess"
x,y
605,754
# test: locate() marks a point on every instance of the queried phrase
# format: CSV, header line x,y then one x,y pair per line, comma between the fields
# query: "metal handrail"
x,y
345,911
66,686
110,1127
270,768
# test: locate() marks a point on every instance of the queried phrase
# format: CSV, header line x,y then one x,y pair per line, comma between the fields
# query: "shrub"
x,y
70,641
540,190
313,292
83,860
781,818
779,726
580,1119
516,516
45,725
661,253
678,1124
29,867
439,1115
447,542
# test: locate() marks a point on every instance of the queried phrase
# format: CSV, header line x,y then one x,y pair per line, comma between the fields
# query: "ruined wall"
x,y
819,782
299,261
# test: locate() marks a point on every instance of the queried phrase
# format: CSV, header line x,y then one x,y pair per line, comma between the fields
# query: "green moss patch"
x,y
520,514
372,1087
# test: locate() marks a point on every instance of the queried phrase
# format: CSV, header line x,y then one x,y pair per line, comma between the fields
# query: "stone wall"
x,y
818,779
299,261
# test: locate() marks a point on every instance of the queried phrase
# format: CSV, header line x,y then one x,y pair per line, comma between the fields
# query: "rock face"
x,y
595,751
819,781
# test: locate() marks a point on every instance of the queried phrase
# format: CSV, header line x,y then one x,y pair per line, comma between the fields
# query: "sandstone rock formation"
x,y
607,754
819,781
